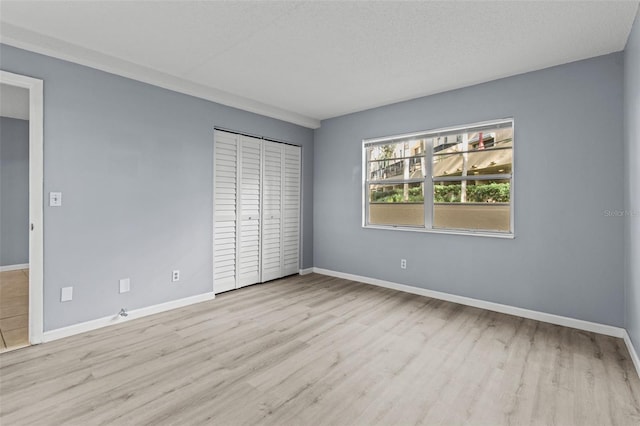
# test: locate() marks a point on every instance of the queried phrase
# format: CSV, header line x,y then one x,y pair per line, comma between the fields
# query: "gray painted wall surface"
x,y
632,162
14,191
134,163
567,257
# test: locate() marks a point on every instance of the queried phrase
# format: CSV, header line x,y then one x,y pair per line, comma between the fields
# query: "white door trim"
x,y
36,169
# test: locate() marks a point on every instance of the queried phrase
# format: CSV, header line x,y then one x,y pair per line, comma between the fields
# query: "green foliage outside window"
x,y
397,196
485,193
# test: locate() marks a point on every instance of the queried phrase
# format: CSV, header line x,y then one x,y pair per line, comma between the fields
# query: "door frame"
x,y
36,191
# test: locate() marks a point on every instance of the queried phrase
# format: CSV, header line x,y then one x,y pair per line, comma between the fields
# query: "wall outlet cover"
x,y
66,294
175,276
125,285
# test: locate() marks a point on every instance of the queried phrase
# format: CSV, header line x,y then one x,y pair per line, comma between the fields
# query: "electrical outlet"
x,y
403,263
125,285
175,276
66,294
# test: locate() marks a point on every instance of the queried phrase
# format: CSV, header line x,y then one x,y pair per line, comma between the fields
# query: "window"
x,y
451,180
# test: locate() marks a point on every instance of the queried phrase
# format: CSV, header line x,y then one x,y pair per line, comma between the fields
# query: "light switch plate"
x,y
66,294
125,285
55,199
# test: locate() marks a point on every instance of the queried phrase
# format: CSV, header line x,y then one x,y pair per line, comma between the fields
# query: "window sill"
x,y
503,235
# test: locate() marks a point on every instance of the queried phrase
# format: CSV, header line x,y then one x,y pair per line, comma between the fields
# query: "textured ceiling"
x,y
307,61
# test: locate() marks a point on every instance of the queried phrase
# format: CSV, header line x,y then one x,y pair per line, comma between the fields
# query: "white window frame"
x,y
429,180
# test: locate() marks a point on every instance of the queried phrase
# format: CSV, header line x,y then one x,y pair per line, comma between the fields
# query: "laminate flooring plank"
x,y
324,351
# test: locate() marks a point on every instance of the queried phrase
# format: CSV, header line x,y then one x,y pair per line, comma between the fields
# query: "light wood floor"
x,y
320,350
14,309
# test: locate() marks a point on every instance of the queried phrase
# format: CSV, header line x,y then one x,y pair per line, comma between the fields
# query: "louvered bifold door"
x,y
272,187
291,210
225,158
249,173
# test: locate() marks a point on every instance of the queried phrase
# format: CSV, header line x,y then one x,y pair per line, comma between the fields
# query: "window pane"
x,y
397,193
479,205
485,162
473,141
396,160
401,204
485,152
396,214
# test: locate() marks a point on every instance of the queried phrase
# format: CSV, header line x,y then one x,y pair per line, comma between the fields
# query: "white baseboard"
x,y
608,330
632,352
491,306
14,267
116,319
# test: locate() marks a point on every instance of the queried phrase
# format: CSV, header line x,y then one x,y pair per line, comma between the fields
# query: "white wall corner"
x,y
632,352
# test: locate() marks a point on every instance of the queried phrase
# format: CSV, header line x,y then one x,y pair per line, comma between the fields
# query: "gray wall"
x,y
567,257
14,191
632,162
134,163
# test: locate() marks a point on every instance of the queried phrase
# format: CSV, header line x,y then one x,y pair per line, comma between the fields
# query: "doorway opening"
x,y
21,205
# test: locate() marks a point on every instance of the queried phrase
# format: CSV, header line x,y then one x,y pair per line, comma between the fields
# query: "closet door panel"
x,y
291,210
224,228
272,211
248,238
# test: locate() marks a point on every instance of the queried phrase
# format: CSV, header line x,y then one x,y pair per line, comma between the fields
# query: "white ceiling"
x,y
14,102
307,61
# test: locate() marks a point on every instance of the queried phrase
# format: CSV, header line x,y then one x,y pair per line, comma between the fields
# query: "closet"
x,y
256,227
